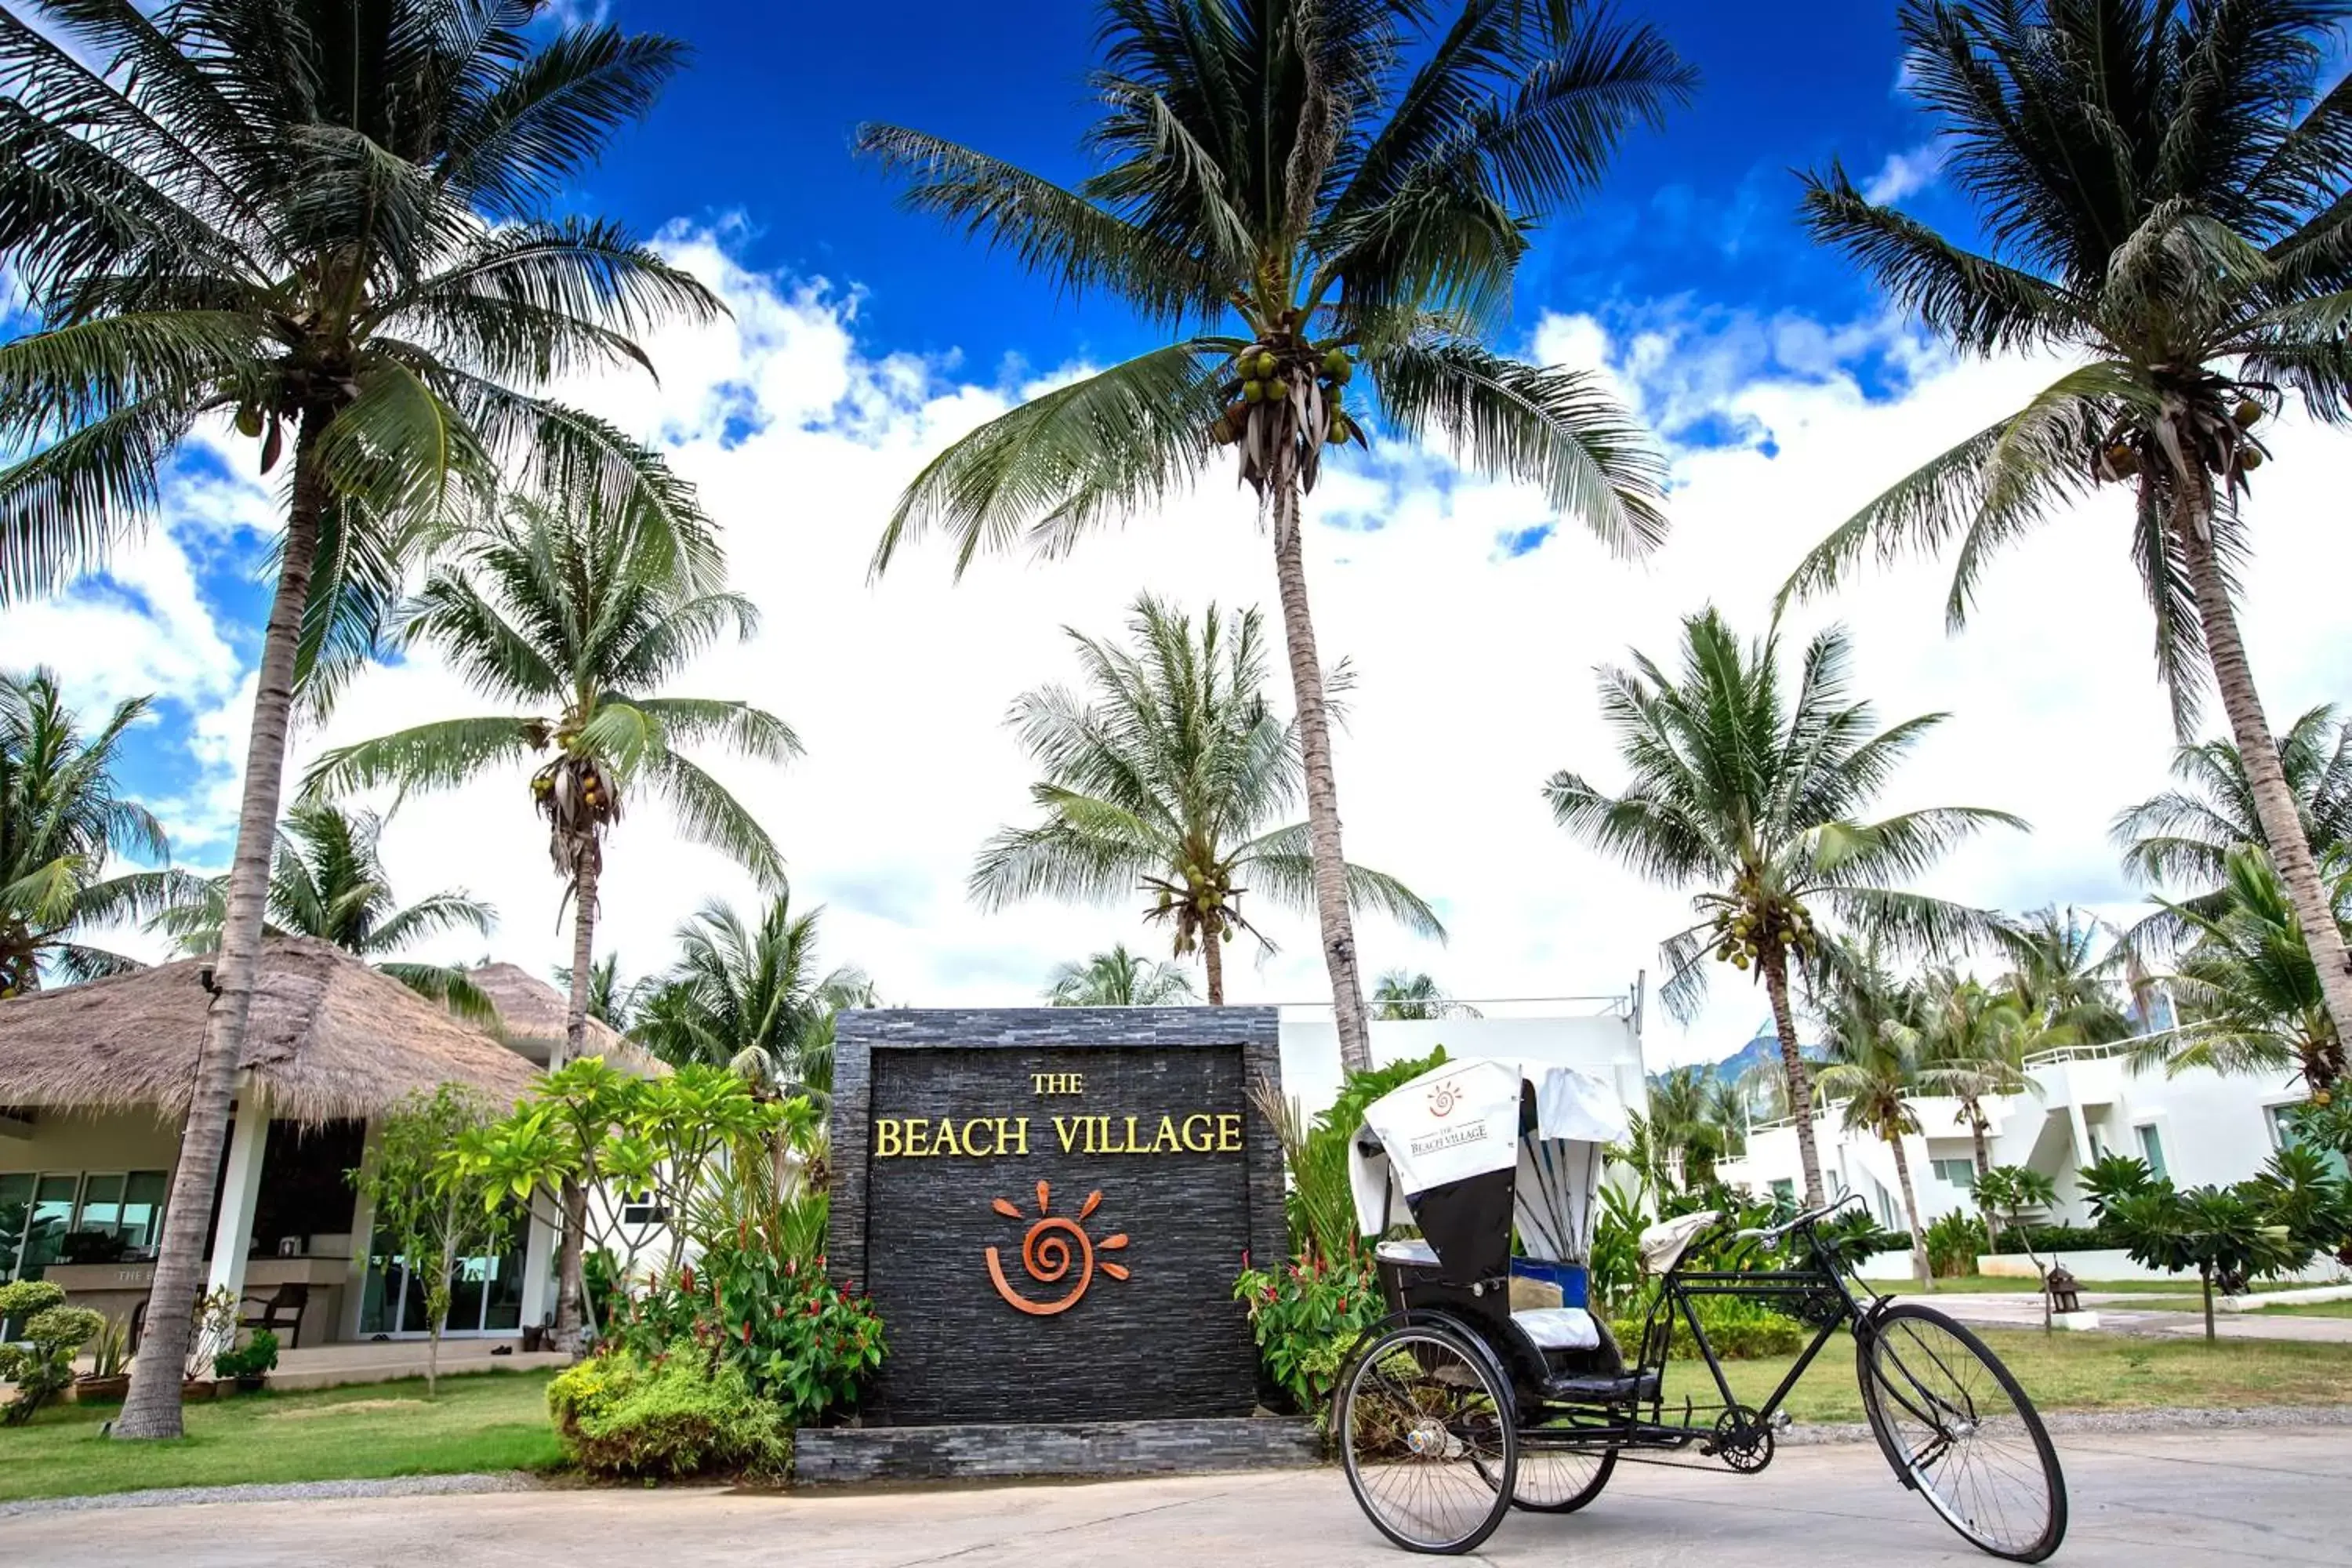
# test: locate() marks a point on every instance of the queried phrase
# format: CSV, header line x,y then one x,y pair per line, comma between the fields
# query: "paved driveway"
x,y
2145,1501
2118,1316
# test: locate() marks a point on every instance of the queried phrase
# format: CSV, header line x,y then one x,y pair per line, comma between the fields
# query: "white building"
x,y
2087,1102
1599,1035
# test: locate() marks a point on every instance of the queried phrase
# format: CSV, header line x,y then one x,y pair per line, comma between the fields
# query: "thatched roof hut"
x,y
531,1015
328,1037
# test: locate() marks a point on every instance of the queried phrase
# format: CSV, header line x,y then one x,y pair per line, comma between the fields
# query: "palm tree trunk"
x,y
2289,847
1322,791
570,1262
1984,1163
1793,1065
1212,956
152,1406
1919,1265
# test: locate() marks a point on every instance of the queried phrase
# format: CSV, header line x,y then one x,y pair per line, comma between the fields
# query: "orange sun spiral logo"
x,y
1052,1247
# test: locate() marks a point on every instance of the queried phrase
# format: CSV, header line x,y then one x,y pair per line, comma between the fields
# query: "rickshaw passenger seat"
x,y
1558,1327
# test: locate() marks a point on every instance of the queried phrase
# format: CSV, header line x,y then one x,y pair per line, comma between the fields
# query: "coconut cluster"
x,y
1285,398
1750,924
580,800
2219,437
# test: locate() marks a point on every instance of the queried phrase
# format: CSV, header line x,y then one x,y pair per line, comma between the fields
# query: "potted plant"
x,y
247,1368
39,1362
109,1376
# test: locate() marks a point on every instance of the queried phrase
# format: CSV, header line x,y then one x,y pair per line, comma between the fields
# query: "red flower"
x,y
813,1309
685,1278
747,1331
792,1268
779,1310
820,1261
1271,1293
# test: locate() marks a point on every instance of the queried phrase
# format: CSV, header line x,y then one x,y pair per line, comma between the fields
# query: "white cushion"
x,y
1560,1328
1409,1249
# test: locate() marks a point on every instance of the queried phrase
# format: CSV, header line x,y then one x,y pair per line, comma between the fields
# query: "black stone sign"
x,y
1049,1206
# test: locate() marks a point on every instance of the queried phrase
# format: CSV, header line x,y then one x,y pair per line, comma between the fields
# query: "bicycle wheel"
x,y
1425,1437
1957,1428
1559,1478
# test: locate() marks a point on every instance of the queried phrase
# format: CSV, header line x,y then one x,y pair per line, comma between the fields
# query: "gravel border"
x,y
281,1491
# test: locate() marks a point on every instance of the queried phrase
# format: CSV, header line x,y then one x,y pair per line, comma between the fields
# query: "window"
x,y
2279,1121
1784,1194
639,1208
2151,1148
1960,1172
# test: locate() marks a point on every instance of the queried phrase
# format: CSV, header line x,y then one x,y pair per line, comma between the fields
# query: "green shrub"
x,y
42,1366
259,1356
1953,1243
1306,1317
675,1414
1738,1329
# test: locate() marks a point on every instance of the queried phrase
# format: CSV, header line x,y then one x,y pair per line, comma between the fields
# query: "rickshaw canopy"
x,y
1474,1148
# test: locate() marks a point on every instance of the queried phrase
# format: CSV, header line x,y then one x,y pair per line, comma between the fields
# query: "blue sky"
x,y
863,339
760,128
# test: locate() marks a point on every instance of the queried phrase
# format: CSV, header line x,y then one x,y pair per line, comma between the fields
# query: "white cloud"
x,y
1904,172
1474,666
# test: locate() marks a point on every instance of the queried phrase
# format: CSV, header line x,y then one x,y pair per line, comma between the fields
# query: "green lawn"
x,y
486,1421
2071,1371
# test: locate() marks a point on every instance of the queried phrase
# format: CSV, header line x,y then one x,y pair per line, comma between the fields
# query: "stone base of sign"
x,y
833,1455
2079,1321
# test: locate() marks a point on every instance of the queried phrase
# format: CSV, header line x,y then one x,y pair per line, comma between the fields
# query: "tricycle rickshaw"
x,y
1492,1384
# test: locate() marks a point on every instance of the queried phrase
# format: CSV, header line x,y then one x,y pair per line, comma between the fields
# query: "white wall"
x,y
91,1141
1608,1046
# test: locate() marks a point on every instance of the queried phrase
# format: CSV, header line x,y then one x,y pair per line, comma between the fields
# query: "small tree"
x,y
658,1141
2222,1231
41,1364
2008,1193
434,1209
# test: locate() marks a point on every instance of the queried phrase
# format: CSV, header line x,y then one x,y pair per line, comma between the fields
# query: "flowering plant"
x,y
796,1337
1308,1316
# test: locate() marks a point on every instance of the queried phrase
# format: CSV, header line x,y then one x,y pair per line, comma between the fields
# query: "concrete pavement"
x,y
2022,1309
2200,1497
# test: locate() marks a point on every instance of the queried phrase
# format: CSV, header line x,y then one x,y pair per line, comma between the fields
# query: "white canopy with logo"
x,y
1472,1118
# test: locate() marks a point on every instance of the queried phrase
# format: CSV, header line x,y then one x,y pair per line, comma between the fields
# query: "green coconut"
x,y
248,421
1278,390
1252,392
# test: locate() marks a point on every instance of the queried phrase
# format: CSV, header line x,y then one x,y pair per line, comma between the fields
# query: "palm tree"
x,y
1167,779
62,824
1872,1064
1402,994
587,623
1972,1044
2060,985
1294,191
325,223
1118,979
1752,795
2248,989
610,1003
2198,265
1727,1108
2181,837
329,883
1682,1135
750,997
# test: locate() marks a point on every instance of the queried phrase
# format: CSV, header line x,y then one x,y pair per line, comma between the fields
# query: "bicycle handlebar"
x,y
1771,1235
